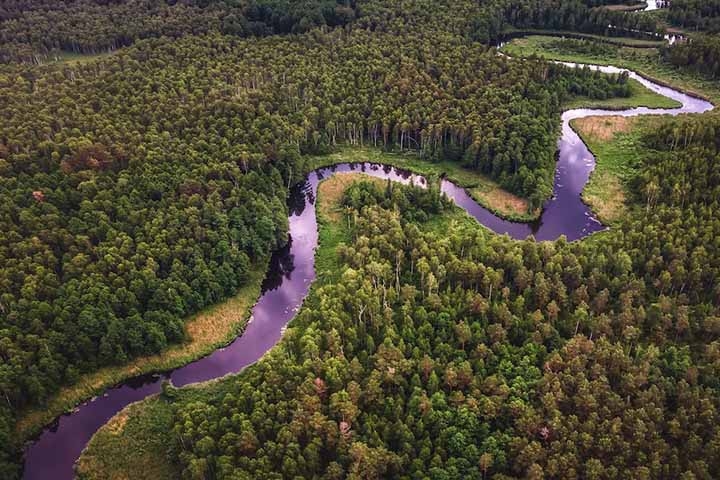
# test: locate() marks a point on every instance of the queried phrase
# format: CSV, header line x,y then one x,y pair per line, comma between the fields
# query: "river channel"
x,y
292,271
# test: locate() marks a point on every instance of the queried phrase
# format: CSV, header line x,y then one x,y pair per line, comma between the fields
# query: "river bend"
x,y
292,271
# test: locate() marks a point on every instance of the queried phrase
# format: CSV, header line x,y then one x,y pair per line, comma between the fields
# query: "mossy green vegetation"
x,y
134,444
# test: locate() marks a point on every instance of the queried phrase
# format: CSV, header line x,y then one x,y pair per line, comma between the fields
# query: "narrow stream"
x,y
292,271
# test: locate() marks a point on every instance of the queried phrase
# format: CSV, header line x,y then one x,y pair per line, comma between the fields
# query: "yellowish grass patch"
x,y
603,128
116,425
501,201
606,195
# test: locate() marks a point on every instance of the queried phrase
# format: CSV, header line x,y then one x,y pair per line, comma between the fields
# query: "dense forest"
x,y
41,30
576,15
463,355
140,187
36,31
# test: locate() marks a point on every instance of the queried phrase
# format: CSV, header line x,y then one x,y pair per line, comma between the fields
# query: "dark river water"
x,y
52,455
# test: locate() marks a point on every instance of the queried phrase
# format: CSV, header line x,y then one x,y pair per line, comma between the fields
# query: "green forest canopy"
x,y
139,188
465,355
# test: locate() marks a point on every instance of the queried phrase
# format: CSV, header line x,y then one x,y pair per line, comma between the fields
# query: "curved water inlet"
x,y
55,451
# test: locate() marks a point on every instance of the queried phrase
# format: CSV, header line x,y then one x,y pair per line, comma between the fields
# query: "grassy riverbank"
x,y
625,8
136,443
133,444
645,61
484,190
640,97
616,144
206,331
618,41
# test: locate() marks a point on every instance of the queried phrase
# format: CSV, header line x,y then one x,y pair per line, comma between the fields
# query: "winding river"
x,y
53,454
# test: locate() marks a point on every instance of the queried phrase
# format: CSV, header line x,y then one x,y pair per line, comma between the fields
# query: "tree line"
x,y
496,16
701,54
38,31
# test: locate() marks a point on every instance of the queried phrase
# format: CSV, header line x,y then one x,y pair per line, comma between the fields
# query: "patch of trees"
x,y
464,355
414,204
695,14
701,54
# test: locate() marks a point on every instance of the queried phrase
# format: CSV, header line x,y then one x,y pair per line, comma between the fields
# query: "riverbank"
x,y
616,144
514,34
644,61
482,189
625,8
207,331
